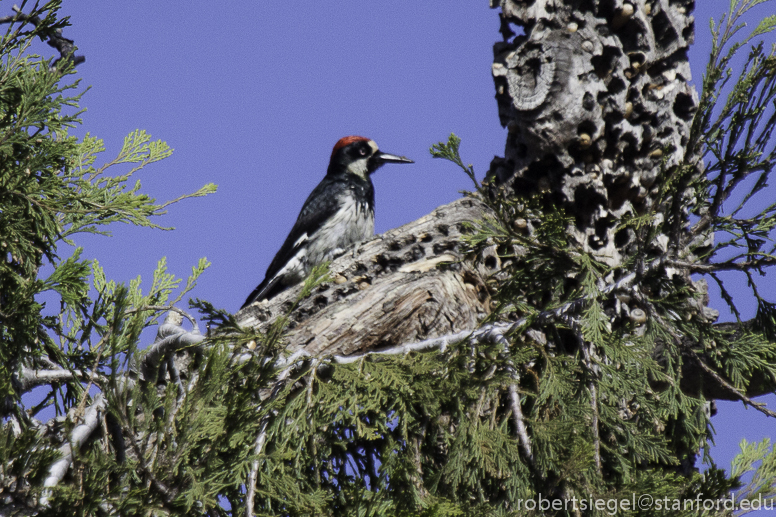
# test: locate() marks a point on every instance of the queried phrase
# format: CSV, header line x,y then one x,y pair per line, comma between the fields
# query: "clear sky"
x,y
253,95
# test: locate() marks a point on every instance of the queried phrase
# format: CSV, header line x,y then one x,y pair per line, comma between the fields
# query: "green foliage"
x,y
32,463
579,399
362,437
99,199
600,396
450,151
735,137
51,191
614,386
757,460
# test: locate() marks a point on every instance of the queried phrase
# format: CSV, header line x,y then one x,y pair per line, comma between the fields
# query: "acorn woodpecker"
x,y
337,213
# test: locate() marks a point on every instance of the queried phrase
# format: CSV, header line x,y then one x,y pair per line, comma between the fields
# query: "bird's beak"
x,y
382,157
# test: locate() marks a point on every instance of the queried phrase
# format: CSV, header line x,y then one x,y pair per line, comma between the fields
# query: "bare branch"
x,y
517,416
728,265
258,448
79,435
759,406
169,338
593,390
29,378
261,438
54,39
172,308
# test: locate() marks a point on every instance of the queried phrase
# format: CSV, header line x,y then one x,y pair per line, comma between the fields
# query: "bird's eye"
x,y
362,151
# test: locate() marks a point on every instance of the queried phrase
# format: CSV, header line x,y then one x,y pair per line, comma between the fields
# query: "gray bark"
x,y
409,284
596,99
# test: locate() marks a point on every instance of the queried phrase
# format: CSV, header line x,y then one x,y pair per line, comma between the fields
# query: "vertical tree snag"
x,y
597,102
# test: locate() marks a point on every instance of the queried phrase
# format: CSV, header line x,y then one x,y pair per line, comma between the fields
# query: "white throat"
x,y
359,168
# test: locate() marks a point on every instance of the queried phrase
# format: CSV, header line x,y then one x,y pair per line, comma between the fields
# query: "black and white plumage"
x,y
338,212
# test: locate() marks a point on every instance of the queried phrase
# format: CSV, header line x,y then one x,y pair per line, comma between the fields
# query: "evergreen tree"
x,y
539,346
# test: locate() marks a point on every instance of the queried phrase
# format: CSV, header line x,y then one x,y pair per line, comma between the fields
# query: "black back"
x,y
322,203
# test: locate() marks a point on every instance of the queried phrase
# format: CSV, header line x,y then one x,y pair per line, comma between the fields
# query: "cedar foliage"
x,y
603,410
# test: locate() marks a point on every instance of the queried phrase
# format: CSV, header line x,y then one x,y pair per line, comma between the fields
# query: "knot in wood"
x,y
531,72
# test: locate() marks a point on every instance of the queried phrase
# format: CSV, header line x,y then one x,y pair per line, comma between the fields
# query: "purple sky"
x,y
252,97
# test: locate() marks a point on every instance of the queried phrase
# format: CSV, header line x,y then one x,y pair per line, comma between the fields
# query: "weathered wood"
x,y
408,284
597,101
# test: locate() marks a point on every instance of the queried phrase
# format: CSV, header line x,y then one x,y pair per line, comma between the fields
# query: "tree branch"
x,y
261,438
54,39
519,421
169,338
29,378
759,406
78,436
728,265
411,283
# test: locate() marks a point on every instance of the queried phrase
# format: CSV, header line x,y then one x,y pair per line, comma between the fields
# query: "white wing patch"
x,y
300,240
294,270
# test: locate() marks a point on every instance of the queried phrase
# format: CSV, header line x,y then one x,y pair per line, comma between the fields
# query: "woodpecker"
x,y
338,212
